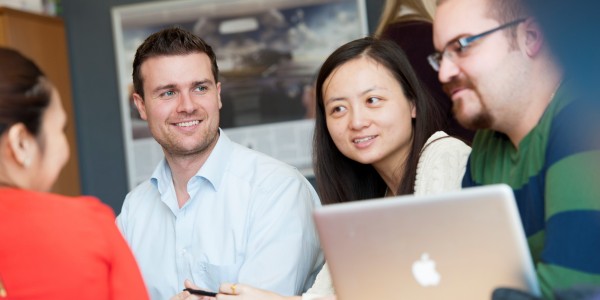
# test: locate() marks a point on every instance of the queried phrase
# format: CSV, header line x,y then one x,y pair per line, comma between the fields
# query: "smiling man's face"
x,y
182,102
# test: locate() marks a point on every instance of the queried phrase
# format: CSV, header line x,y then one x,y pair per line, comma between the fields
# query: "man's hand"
x,y
185,295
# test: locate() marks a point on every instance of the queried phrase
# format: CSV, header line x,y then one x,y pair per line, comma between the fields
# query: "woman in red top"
x,y
51,246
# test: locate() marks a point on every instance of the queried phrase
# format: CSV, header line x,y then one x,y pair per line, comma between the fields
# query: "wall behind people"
x,y
96,95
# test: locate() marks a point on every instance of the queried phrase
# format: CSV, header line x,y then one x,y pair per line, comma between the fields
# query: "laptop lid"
x,y
456,245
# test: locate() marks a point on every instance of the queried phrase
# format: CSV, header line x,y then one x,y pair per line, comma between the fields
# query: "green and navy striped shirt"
x,y
555,175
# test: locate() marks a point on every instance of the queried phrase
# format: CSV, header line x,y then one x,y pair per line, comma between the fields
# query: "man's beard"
x,y
482,120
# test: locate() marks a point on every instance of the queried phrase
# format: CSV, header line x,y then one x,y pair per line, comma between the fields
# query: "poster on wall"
x,y
268,53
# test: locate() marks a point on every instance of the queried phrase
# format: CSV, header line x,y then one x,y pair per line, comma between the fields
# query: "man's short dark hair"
x,y
170,41
507,10
504,11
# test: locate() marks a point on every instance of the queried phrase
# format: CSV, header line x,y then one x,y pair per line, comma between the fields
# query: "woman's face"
x,y
52,150
367,114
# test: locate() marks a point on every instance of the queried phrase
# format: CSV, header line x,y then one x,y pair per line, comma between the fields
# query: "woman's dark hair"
x,y
25,92
340,179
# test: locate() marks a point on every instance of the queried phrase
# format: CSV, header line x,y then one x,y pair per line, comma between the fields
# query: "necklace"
x,y
555,90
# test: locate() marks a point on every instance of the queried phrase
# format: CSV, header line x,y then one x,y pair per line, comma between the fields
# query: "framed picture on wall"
x,y
268,53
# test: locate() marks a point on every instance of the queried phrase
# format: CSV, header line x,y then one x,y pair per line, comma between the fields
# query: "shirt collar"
x,y
218,161
161,177
212,170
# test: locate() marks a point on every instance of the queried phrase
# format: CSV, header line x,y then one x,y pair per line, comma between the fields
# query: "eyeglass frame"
x,y
435,59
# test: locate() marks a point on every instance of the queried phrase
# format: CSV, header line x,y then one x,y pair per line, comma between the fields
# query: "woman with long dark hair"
x,y
344,174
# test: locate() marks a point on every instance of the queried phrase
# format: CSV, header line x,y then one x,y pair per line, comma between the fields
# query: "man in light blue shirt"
x,y
213,211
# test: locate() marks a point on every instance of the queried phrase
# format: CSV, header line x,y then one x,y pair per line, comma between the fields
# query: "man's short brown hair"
x,y
504,11
170,41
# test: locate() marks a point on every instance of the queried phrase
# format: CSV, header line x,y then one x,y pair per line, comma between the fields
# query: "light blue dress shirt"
x,y
248,220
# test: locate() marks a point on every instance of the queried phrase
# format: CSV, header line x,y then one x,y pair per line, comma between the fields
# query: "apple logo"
x,y
424,271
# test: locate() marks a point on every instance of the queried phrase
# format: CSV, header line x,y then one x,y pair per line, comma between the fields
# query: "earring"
x,y
27,162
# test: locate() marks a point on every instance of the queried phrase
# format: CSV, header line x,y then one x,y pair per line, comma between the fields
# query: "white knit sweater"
x,y
440,169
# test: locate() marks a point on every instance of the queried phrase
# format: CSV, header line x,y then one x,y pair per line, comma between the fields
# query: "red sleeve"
x,y
125,280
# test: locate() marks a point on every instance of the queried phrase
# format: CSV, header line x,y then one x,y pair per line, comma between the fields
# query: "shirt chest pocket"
x,y
212,275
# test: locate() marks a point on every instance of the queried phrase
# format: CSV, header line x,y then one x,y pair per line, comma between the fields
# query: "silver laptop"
x,y
456,245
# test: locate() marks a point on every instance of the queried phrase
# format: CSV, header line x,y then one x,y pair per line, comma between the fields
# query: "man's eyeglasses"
x,y
454,48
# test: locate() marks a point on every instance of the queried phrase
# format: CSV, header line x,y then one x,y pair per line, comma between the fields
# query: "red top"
x,y
57,247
